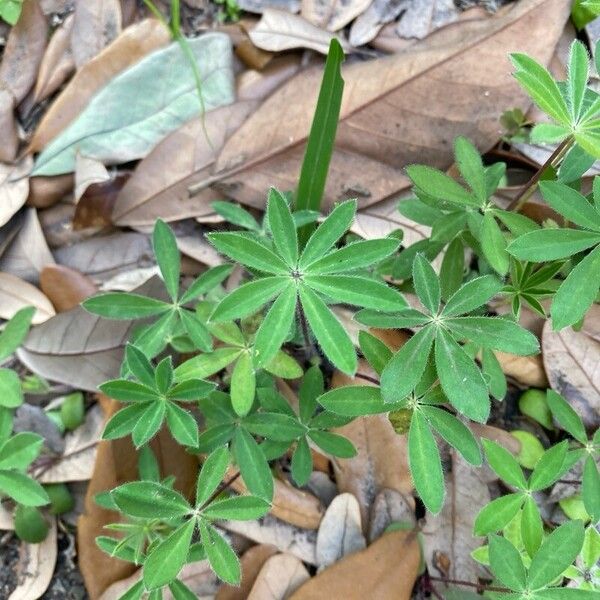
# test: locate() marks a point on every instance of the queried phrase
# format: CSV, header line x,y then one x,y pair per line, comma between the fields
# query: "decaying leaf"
x,y
280,577
332,15
448,536
132,45
64,287
16,294
527,370
163,90
340,532
47,191
571,359
384,97
286,538
96,24
36,566
87,172
422,17
389,506
14,186
35,419
8,126
259,6
279,30
386,569
380,12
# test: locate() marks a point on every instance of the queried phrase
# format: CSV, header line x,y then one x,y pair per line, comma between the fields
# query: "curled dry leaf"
x,y
387,569
16,294
47,191
28,252
286,538
279,30
14,186
389,506
96,24
340,532
88,171
571,359
448,536
383,109
132,45
23,51
57,63
332,16
65,288
79,456
36,566
280,577
252,562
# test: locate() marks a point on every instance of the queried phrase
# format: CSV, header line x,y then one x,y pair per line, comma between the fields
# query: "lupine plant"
x,y
282,322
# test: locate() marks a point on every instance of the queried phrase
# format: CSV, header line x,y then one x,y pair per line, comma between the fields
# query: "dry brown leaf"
x,y
340,532
94,210
252,562
332,15
57,63
389,506
88,171
36,566
65,287
79,456
8,127
97,23
133,44
14,186
500,436
47,191
423,17
448,536
286,538
116,590
256,85
386,569
16,294
381,461
23,51
571,359
460,75
370,23
116,463
528,370
259,6
279,30
28,253
279,578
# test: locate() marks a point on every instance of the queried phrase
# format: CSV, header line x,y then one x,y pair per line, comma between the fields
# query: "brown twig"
x,y
479,586
225,485
367,378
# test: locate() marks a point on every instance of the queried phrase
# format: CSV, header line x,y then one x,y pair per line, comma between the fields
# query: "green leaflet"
x,y
167,255
439,185
532,528
243,384
220,555
427,284
22,489
212,473
507,564
19,451
11,395
497,514
504,464
253,465
354,401
150,500
15,331
282,227
552,244
144,103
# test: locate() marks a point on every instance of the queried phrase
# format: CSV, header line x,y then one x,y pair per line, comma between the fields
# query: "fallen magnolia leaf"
x,y
369,24
571,359
64,287
47,191
28,252
332,16
251,562
88,171
280,577
380,109
117,463
423,17
79,456
94,209
163,90
389,506
279,30
132,45
57,63
286,538
16,294
448,536
387,569
23,51
96,24
340,532
14,185
36,566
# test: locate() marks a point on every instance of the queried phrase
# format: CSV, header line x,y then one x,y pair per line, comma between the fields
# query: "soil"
x,y
67,583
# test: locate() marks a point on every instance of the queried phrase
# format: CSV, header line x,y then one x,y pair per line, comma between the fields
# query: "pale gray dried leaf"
x,y
6,519
389,506
79,455
14,186
9,231
286,538
129,280
34,419
78,348
332,15
8,127
279,578
368,25
571,359
340,532
97,23
143,104
87,172
279,30
321,486
423,17
259,6
36,566
28,253
16,294
448,536
103,257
